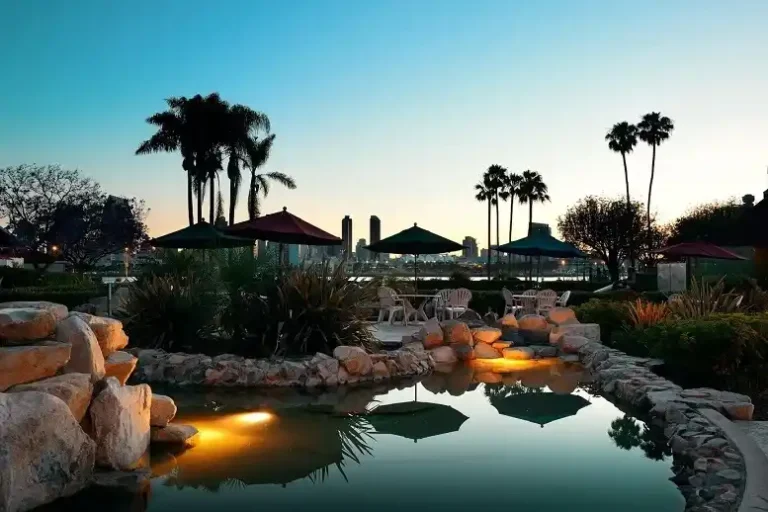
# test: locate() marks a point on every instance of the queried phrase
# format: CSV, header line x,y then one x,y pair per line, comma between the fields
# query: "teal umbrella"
x,y
539,408
541,244
415,420
200,236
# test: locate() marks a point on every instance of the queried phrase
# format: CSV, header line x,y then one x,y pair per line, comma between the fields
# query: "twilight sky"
x,y
395,108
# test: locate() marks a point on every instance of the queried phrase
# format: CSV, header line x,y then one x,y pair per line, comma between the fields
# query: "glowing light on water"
x,y
254,417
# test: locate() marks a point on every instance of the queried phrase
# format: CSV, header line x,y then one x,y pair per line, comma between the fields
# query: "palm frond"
x,y
282,179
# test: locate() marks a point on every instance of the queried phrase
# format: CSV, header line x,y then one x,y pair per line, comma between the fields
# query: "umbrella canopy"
x,y
539,408
199,236
698,250
541,244
285,228
415,240
7,239
415,420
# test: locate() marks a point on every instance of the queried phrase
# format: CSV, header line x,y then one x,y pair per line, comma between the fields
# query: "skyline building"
x,y
375,234
470,248
346,236
361,253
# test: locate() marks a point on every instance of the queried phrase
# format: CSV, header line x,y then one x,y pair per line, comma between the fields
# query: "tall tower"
x,y
375,228
346,236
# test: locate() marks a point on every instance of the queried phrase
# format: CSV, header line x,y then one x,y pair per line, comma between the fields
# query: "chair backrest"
x,y
460,297
528,300
444,296
387,296
564,298
546,298
509,297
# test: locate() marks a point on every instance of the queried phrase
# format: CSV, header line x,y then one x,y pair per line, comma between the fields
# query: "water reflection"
x,y
627,433
532,404
416,420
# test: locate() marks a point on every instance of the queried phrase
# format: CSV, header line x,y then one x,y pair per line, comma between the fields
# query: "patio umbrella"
x,y
199,236
415,420
539,408
541,244
415,240
285,228
692,250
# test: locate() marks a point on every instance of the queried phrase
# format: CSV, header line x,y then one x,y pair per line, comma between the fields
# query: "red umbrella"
x,y
698,250
285,228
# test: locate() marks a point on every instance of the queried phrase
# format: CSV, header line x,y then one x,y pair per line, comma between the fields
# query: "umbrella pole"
x,y
415,273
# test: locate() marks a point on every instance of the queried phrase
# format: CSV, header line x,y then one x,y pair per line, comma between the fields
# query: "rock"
x,y
569,358
162,410
741,411
431,334
501,345
571,344
561,316
471,317
74,389
455,331
175,433
485,351
729,474
120,365
59,311
380,371
545,351
120,419
109,332
534,323
354,359
518,353
490,318
509,322
26,324
459,380
328,369
443,355
512,336
463,352
44,454
589,331
86,355
19,365
486,335
129,482
488,378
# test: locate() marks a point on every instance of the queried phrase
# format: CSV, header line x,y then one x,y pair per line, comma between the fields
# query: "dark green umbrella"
x,y
415,240
539,408
199,236
415,420
541,244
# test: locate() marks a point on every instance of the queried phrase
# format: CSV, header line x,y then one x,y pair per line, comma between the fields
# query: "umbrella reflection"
x,y
416,420
533,404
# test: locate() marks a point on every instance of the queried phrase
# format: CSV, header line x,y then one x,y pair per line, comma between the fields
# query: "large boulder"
x,y
74,389
354,359
59,311
109,332
463,352
455,331
485,351
443,355
561,316
533,323
162,410
120,365
44,454
509,321
431,334
472,318
487,335
518,353
26,324
175,433
120,422
589,331
86,355
571,344
19,365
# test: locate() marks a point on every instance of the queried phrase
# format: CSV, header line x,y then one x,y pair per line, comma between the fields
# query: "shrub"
x,y
644,314
704,299
610,315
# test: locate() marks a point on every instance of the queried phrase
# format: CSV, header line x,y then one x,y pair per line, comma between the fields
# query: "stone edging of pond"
x,y
709,467
350,366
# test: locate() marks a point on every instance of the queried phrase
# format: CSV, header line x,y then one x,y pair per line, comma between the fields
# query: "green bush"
x,y
69,296
19,277
611,315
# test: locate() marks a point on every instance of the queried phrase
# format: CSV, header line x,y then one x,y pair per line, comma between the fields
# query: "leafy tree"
x,y
485,192
622,139
532,190
653,130
719,223
496,175
603,227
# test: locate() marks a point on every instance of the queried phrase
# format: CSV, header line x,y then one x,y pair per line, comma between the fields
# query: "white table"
x,y
420,310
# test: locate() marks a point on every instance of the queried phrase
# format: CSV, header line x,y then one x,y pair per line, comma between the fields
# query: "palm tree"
x,y
242,123
511,192
532,190
496,175
485,192
622,139
257,156
653,130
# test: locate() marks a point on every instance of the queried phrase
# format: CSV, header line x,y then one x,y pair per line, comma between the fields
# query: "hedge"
x,y
25,278
68,296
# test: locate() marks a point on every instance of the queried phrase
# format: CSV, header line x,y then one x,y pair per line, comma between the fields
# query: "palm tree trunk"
x,y
650,189
232,198
530,216
626,176
199,202
498,254
629,210
190,201
212,209
511,214
489,239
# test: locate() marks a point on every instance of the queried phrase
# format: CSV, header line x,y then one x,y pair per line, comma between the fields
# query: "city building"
x,y
540,228
346,236
375,234
470,248
484,254
362,253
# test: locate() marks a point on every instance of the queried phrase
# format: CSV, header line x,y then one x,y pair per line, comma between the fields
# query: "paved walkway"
x,y
758,430
387,333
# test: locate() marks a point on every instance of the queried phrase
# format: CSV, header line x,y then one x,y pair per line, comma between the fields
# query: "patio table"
x,y
420,313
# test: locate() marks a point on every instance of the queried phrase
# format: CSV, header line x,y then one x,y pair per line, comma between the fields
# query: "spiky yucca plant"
x,y
644,314
703,299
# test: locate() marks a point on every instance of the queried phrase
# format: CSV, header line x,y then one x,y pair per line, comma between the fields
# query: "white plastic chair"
x,y
388,304
512,304
458,302
563,300
441,301
546,300
528,302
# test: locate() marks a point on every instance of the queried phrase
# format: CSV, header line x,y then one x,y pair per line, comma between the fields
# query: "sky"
x,y
395,108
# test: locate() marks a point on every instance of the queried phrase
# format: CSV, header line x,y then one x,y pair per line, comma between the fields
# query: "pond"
x,y
532,440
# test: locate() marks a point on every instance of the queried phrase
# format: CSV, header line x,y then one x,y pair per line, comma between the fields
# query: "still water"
x,y
534,439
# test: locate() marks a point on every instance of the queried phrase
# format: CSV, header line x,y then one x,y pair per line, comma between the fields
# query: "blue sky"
x,y
395,108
